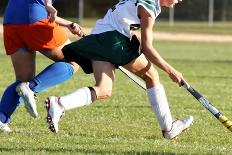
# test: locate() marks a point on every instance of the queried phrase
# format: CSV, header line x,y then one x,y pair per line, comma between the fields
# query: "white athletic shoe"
x,y
54,112
4,127
178,126
28,97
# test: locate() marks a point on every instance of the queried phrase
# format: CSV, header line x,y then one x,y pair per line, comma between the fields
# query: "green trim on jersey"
x,y
152,6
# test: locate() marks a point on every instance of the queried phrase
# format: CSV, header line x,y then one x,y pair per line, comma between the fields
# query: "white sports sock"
x,y
160,106
78,98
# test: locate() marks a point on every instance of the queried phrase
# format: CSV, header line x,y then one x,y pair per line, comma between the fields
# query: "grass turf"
x,y
125,124
222,28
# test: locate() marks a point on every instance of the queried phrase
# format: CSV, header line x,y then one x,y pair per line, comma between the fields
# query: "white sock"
x,y
78,98
160,106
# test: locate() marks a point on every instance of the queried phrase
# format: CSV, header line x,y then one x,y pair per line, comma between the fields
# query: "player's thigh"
x,y
143,68
24,64
104,74
55,53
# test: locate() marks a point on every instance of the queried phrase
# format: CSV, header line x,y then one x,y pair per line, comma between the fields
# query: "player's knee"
x,y
75,66
151,77
104,93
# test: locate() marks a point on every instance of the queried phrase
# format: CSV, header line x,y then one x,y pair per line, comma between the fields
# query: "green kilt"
x,y
109,46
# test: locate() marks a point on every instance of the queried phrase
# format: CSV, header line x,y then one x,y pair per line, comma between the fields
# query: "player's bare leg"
x,y
24,66
24,90
156,94
104,75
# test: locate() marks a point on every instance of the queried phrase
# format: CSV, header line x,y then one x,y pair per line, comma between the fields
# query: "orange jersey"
x,y
39,36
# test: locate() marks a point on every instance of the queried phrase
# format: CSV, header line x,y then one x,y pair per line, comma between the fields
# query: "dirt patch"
x,y
178,36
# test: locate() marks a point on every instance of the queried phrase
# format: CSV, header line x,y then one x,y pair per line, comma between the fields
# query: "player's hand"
x,y
177,77
52,13
75,29
171,3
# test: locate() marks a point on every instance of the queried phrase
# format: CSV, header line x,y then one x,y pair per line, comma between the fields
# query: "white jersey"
x,y
123,17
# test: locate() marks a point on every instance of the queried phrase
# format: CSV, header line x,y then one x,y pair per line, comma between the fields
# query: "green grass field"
x,y
223,28
125,124
189,27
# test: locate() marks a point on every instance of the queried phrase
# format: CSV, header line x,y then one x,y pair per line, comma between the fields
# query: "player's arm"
x,y
52,17
48,2
147,24
73,27
52,12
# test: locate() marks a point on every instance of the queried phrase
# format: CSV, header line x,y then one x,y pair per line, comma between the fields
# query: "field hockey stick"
x,y
133,77
223,119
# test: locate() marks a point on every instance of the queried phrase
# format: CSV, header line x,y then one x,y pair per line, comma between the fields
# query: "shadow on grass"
x,y
85,151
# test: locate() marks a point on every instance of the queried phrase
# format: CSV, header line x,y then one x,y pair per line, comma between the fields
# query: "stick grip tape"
x,y
226,122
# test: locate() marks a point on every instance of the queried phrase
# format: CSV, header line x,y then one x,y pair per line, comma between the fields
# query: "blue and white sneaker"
x,y
178,126
54,112
28,97
4,127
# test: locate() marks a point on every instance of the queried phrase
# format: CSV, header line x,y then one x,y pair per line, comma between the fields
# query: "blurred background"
x,y
190,10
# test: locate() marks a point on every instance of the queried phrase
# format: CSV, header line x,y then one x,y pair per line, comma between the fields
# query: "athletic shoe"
x,y
4,127
28,97
54,112
178,126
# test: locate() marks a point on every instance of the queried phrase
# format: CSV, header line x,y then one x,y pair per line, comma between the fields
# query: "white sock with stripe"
x,y
78,98
160,106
